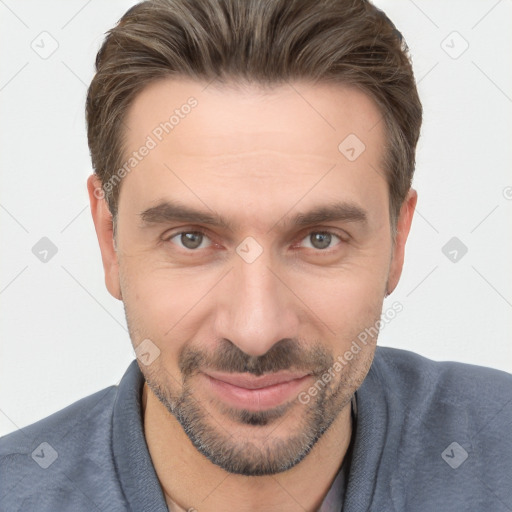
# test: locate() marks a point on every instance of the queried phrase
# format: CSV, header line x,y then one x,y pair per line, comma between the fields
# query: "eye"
x,y
320,240
190,240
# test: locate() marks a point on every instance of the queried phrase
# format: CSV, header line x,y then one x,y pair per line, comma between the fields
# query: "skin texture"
x,y
256,158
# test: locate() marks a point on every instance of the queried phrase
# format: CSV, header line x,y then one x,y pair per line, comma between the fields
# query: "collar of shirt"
x,y
333,501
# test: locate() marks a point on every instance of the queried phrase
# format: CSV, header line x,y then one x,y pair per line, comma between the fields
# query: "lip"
x,y
244,391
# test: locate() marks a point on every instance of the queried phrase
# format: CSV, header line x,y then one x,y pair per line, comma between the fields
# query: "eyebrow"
x,y
168,211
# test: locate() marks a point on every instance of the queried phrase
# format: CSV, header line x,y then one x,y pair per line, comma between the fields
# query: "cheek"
x,y
346,301
163,304
154,307
147,300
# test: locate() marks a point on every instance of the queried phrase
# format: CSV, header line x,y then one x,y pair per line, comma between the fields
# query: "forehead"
x,y
222,144
211,119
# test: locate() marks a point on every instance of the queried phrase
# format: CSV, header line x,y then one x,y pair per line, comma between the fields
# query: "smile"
x,y
255,393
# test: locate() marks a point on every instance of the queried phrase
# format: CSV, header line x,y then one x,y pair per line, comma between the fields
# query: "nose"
x,y
255,309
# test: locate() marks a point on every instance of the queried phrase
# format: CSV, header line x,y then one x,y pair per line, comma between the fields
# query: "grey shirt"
x,y
429,436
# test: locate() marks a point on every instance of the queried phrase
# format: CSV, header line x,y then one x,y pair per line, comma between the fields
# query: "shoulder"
x,y
417,377
90,411
59,460
448,430
457,398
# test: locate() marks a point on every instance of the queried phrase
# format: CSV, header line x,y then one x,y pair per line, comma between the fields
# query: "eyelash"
x,y
308,234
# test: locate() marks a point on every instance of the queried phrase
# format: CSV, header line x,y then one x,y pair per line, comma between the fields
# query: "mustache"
x,y
287,354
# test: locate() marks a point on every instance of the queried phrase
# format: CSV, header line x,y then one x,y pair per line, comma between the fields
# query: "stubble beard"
x,y
258,451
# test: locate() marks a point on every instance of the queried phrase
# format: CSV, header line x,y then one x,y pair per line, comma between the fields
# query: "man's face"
x,y
278,288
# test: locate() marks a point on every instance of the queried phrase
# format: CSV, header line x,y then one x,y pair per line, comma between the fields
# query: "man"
x,y
252,200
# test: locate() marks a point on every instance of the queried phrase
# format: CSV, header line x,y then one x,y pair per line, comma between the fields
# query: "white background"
x,y
64,337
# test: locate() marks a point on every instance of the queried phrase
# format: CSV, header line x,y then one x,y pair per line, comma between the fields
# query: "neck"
x,y
189,480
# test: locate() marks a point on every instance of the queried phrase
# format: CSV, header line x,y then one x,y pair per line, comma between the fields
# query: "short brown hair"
x,y
268,42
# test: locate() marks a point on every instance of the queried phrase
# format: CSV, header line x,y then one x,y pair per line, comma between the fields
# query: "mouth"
x,y
255,393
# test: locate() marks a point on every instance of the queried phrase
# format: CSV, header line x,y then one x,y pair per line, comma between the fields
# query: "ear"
x,y
104,230
403,227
